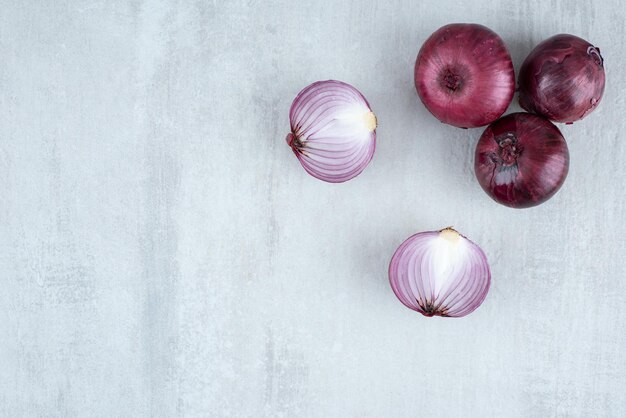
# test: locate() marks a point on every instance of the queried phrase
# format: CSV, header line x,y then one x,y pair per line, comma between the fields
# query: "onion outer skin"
x,y
562,79
333,131
464,75
521,160
440,273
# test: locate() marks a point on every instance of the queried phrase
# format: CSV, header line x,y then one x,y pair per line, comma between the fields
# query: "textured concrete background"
x,y
162,252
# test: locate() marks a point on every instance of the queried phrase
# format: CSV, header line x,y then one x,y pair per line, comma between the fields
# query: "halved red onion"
x,y
333,131
562,79
521,160
440,273
464,75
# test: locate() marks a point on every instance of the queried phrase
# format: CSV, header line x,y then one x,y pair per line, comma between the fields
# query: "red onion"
x,y
333,131
464,75
562,79
521,160
440,273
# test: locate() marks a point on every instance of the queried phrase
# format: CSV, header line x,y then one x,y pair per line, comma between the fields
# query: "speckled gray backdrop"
x,y
162,253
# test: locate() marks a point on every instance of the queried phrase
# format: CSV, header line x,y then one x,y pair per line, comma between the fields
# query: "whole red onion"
x,y
464,75
562,79
521,160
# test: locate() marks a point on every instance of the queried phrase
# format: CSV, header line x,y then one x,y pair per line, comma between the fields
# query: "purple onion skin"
x,y
562,79
521,160
464,75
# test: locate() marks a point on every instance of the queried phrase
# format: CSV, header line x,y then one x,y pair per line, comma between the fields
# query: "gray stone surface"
x,y
162,252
